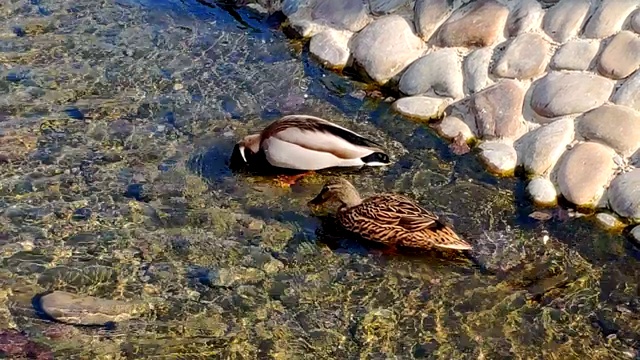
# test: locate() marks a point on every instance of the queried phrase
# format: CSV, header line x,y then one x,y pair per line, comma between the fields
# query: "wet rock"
x,y
540,149
372,46
524,58
635,234
621,57
584,172
138,192
575,55
331,47
559,93
635,21
438,73
476,70
609,221
542,191
477,24
613,125
228,277
428,15
564,20
624,194
17,345
81,214
350,15
608,18
459,145
421,107
498,110
87,310
525,17
629,93
451,126
383,7
500,158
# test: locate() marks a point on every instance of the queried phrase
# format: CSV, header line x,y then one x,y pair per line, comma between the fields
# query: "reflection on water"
x,y
117,120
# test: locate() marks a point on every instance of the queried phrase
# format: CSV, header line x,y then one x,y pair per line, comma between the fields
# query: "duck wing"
x,y
317,134
392,215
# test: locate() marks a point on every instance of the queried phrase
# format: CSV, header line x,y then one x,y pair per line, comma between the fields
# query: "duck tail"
x,y
376,158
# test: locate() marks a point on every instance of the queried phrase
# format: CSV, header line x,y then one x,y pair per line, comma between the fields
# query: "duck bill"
x,y
241,149
319,199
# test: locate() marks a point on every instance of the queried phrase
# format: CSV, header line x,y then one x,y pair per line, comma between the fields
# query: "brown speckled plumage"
x,y
391,219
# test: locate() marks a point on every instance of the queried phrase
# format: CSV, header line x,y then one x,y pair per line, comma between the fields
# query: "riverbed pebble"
x,y
614,125
421,107
542,191
629,93
524,58
540,149
349,15
608,18
430,13
575,55
87,310
331,47
622,194
477,24
621,57
498,110
499,157
524,17
438,73
452,126
609,221
563,20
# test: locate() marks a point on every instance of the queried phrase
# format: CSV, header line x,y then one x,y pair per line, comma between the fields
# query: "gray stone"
x,y
452,126
331,48
428,15
575,55
635,22
629,93
559,93
87,310
438,73
525,17
584,172
564,20
383,7
498,110
525,57
498,157
608,221
476,70
542,191
608,18
477,24
350,15
621,57
371,47
540,149
421,107
635,234
624,194
290,7
613,125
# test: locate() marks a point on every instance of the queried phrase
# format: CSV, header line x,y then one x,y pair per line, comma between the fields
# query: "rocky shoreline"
x,y
552,87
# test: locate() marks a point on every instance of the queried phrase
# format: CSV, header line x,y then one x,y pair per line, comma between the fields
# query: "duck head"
x,y
250,143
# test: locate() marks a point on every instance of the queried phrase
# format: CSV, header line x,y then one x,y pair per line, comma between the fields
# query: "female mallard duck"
x,y
391,219
307,143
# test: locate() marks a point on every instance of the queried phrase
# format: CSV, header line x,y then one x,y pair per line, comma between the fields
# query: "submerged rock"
x,y
421,107
87,310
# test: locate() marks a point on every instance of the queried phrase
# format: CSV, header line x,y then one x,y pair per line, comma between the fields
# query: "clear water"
x,y
117,119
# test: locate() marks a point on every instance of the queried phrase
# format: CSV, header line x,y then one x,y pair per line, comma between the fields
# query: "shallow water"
x,y
117,122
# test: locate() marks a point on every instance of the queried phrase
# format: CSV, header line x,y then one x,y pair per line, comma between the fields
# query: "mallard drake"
x,y
307,143
390,219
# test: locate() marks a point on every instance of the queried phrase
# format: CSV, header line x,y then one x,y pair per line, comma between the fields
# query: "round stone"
x,y
624,194
524,58
452,126
609,221
540,149
349,15
438,73
421,107
476,70
564,20
614,125
575,55
635,21
635,234
584,172
87,310
608,18
331,48
629,93
371,47
621,57
524,17
542,192
498,110
428,14
500,158
559,93
477,24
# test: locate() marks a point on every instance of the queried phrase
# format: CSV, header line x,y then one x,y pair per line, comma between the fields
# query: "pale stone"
x,y
331,47
629,93
609,18
476,70
477,24
624,194
372,46
350,15
525,17
559,93
452,126
613,125
498,110
383,7
621,57
584,172
542,191
290,7
429,14
575,55
525,57
438,73
564,20
635,234
305,27
500,158
540,149
635,21
608,221
421,107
